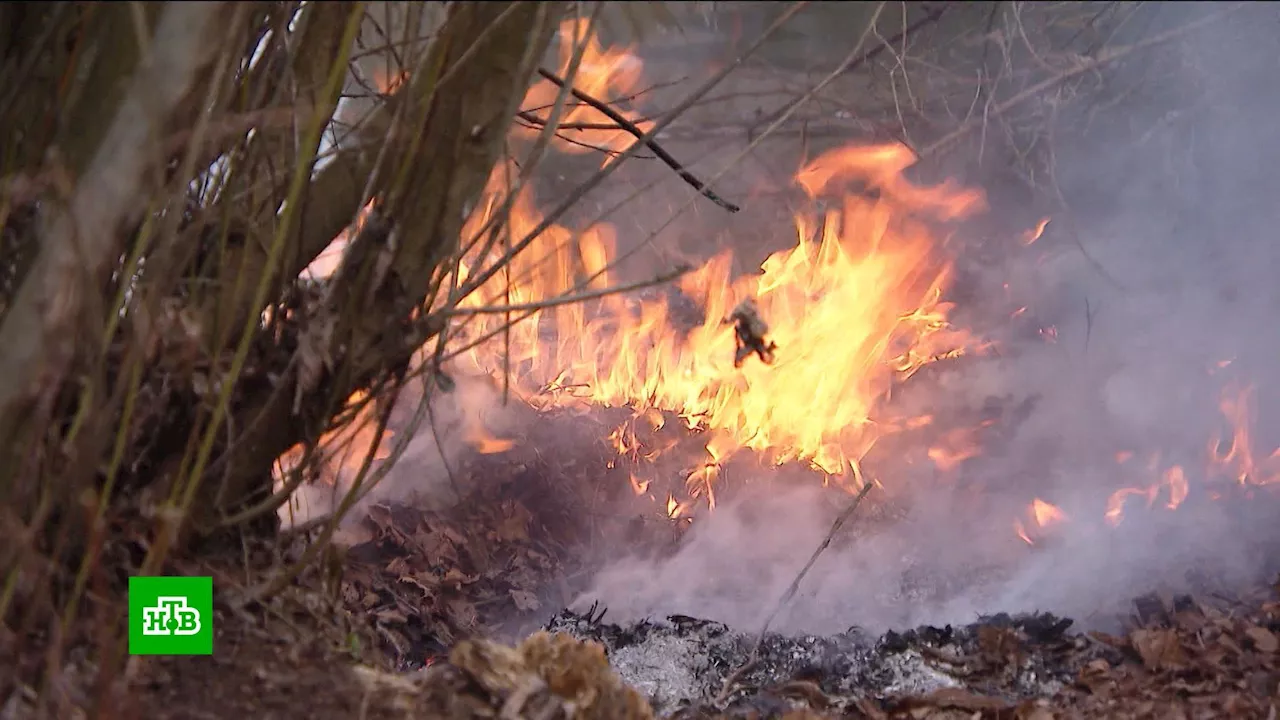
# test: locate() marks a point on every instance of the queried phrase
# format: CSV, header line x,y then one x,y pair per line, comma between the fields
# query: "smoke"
x,y
1162,270
427,472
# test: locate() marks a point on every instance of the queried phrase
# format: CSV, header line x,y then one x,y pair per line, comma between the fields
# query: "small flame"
x,y
1238,460
1172,483
1042,516
1034,234
480,439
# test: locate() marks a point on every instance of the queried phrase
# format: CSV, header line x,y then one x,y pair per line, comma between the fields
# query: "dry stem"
x,y
640,136
790,593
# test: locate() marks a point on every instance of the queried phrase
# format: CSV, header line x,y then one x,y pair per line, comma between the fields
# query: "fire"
x,y
1034,234
854,308
956,446
1238,461
607,75
344,448
1172,484
1042,516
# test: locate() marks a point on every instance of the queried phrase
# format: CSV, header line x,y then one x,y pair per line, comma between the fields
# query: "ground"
x,y
402,636
1190,662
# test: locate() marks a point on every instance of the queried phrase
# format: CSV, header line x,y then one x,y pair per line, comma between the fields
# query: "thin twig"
x,y
1090,64
569,299
847,67
790,593
533,119
640,137
931,17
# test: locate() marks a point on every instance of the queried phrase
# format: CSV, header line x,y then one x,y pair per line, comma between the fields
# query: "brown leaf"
x,y
806,691
997,643
399,567
1263,639
379,516
425,582
869,709
960,699
1159,649
457,578
1035,712
437,548
463,613
1109,640
1191,622
515,524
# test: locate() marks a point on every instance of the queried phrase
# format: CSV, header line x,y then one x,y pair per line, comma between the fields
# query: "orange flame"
x,y
855,307
1034,234
1238,460
606,75
1042,516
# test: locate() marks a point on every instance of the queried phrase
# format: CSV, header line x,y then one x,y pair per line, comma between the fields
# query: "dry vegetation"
x,y
168,171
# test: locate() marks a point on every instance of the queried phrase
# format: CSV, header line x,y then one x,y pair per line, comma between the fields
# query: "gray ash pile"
x,y
691,668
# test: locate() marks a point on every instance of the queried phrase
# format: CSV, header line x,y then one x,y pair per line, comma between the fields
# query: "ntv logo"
x,y
170,616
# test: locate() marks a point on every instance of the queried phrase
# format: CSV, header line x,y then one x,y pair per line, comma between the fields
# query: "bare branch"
x,y
79,243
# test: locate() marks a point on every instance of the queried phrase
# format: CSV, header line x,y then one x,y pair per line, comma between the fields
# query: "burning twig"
x,y
746,667
640,136
749,331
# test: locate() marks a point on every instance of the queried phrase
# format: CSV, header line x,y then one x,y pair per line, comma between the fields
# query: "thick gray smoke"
x,y
1164,267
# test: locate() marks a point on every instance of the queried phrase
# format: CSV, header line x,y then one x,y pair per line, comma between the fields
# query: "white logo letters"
x,y
170,616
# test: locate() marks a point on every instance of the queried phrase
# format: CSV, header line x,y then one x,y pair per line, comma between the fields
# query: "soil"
x,y
1188,661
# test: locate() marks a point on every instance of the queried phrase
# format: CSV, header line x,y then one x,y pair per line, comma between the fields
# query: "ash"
x,y
681,663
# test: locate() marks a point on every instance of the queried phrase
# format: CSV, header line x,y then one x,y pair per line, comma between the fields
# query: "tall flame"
x,y
854,308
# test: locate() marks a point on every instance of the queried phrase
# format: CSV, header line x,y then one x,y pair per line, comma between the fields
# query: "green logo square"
x,y
170,616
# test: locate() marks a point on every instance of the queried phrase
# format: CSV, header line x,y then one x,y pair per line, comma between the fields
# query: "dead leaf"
x,y
1159,649
462,613
525,601
379,516
960,699
1263,639
457,578
998,643
806,691
391,615
515,524
1035,711
399,566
